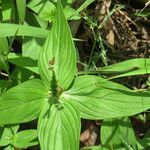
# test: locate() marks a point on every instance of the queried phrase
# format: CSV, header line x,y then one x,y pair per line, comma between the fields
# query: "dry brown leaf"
x,y
89,136
110,37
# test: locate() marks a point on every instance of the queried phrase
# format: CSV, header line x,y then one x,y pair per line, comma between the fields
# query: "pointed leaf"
x,y
71,14
4,46
130,67
85,5
25,62
7,9
48,11
10,147
37,5
7,133
104,99
31,47
3,63
7,29
59,128
115,131
26,138
3,85
21,7
59,52
23,102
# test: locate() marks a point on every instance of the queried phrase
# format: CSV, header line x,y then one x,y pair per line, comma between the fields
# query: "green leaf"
x,y
71,14
20,75
21,7
43,8
36,20
58,53
7,30
59,127
25,139
7,8
85,5
23,102
4,47
7,134
10,147
144,13
3,86
115,131
130,67
31,47
110,133
48,12
4,50
24,62
36,5
96,98
3,63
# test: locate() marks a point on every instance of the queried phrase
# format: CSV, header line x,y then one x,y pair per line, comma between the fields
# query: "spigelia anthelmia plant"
x,y
62,96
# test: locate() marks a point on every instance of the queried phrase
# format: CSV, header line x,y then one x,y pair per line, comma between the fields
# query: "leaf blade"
x,y
15,104
130,67
26,138
60,48
106,99
116,131
60,130
21,7
21,30
25,62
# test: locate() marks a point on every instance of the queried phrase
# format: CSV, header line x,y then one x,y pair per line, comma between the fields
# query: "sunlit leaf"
x,y
31,47
7,30
37,5
21,7
104,99
59,127
48,12
23,102
7,10
71,14
84,5
7,133
4,47
26,138
130,67
58,53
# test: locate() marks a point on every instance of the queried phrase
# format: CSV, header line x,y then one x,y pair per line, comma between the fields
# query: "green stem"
x,y
92,51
